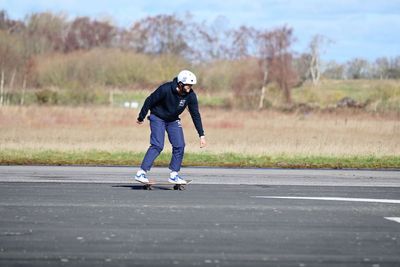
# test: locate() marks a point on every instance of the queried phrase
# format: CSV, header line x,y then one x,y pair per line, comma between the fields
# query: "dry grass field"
x,y
243,132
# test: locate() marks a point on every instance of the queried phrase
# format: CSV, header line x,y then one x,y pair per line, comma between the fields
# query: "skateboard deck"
x,y
149,186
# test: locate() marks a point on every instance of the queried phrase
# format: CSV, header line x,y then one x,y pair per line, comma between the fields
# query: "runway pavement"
x,y
85,216
75,174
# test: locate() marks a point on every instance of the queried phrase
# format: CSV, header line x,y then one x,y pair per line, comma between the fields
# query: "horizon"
x,y
357,29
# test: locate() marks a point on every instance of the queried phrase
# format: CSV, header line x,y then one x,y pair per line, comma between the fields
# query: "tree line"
x,y
23,42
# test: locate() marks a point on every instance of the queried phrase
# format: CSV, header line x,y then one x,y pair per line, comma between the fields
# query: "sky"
x,y
356,28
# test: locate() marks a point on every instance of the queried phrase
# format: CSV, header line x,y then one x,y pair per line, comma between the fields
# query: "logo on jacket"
x,y
182,103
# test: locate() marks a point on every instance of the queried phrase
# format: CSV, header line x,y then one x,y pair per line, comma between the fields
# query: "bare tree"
x,y
334,70
87,34
276,60
302,66
45,32
28,76
10,25
389,67
315,52
207,42
242,42
357,68
4,20
161,34
266,52
209,45
11,59
272,48
395,68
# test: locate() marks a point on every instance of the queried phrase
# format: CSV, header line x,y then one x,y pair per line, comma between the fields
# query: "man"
x,y
165,105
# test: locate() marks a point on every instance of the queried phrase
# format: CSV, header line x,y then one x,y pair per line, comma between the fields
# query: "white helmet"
x,y
187,77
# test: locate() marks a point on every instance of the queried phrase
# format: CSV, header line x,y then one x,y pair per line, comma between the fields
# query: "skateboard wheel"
x,y
179,187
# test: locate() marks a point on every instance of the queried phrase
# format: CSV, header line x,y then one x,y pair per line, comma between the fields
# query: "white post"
x,y
111,97
23,91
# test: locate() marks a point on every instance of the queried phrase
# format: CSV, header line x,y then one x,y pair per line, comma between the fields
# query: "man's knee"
x,y
158,148
179,148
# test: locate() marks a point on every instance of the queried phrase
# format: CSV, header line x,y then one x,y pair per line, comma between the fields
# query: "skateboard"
x,y
149,186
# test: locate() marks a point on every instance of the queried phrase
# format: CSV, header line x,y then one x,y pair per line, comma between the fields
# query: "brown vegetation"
x,y
246,132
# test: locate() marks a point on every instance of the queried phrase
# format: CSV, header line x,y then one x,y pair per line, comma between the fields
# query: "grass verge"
x,y
95,157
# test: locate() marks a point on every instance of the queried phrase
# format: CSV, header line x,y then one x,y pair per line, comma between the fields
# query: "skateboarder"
x,y
165,105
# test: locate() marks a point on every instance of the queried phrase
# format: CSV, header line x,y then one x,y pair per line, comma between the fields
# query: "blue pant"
x,y
175,135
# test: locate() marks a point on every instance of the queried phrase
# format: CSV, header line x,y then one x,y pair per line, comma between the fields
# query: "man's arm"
x,y
150,101
195,114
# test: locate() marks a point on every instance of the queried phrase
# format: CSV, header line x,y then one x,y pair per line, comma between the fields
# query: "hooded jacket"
x,y
166,103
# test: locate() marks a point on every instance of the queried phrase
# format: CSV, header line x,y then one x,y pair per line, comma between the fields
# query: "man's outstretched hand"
x,y
203,142
139,122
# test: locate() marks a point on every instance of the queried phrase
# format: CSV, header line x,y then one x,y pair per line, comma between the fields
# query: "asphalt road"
x,y
96,216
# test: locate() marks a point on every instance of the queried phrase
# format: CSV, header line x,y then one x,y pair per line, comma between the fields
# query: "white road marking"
x,y
395,219
392,201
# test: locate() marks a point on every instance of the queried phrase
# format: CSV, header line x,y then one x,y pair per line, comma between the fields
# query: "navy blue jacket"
x,y
167,104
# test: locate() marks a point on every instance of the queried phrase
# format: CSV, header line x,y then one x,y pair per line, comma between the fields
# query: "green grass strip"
x,y
98,158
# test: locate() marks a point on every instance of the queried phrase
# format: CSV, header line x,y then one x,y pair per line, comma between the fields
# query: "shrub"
x,y
46,96
106,67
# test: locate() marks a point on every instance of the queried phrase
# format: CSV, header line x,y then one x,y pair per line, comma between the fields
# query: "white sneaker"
x,y
177,180
142,178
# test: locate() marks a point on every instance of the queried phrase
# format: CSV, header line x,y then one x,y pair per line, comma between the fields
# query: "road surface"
x,y
97,216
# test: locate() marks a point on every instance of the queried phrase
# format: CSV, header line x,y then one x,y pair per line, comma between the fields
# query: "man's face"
x,y
186,88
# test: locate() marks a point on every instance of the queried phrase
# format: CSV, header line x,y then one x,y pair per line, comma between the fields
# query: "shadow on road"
x,y
140,187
